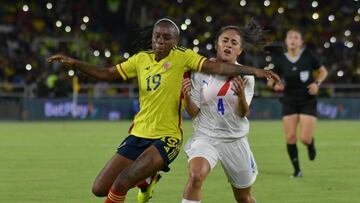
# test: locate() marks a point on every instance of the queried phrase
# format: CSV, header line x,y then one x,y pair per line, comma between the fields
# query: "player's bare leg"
x,y
199,168
108,174
307,126
243,195
290,125
147,164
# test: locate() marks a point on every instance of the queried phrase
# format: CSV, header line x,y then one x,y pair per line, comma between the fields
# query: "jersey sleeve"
x,y
127,69
277,65
193,60
249,88
315,63
196,84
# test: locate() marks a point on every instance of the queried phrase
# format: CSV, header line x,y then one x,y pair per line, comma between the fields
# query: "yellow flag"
x,y
75,84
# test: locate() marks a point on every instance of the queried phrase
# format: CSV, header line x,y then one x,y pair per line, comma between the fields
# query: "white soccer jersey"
x,y
219,115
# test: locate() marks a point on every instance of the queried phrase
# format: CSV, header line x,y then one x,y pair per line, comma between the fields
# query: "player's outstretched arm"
x,y
97,72
230,69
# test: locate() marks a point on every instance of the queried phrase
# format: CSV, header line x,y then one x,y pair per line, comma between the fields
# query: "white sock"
x,y
189,201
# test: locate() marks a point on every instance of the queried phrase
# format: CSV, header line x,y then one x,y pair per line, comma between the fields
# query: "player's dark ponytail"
x,y
141,39
251,34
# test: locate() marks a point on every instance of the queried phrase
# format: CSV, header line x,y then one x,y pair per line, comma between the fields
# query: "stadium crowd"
x,y
101,32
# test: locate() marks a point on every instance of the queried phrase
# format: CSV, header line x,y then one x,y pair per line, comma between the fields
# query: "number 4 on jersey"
x,y
220,106
222,92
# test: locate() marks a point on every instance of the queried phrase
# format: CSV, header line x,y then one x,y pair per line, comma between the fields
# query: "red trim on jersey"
x,y
186,75
223,90
131,127
180,116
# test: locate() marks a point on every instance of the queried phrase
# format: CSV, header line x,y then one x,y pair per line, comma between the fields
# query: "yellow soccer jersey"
x,y
160,90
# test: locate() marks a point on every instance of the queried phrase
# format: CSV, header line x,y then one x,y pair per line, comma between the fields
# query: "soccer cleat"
x,y
297,174
145,194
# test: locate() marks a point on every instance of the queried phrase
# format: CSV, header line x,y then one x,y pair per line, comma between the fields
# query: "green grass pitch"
x,y
58,161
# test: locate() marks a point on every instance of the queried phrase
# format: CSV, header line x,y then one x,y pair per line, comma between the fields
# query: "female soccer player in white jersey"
x,y
218,106
155,135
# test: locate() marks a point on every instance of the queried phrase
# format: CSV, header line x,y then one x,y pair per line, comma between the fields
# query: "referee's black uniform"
x,y
298,73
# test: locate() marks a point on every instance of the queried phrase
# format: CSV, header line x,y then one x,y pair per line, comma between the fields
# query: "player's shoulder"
x,y
180,49
309,53
183,51
199,76
140,56
145,52
250,78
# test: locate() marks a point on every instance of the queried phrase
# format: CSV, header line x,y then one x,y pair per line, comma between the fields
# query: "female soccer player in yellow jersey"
x,y
155,135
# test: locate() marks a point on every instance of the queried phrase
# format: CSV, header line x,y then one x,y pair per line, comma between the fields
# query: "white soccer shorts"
x,y
236,158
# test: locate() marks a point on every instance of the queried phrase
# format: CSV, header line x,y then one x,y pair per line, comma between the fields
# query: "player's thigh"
x,y
201,148
238,162
307,126
109,173
290,125
146,165
158,156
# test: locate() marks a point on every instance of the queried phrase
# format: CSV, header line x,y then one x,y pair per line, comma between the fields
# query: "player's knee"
x,y
99,191
197,179
291,138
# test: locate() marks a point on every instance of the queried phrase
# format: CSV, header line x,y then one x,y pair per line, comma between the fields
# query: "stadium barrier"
x,y
125,108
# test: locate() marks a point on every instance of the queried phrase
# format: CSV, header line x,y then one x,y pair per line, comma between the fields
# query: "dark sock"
x,y
293,154
311,150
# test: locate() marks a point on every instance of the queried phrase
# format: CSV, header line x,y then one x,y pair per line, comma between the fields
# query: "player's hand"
x,y
313,89
268,74
186,87
279,87
62,59
239,85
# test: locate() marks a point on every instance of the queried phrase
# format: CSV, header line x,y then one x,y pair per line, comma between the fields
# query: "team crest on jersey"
x,y
167,65
304,76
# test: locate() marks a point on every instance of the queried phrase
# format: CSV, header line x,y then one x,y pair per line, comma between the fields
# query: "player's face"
x,y
164,38
293,40
228,46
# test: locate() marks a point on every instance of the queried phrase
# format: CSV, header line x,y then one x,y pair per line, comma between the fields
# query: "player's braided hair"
x,y
141,39
251,34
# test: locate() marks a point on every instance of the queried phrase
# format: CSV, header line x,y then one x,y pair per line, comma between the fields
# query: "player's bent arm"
x,y
270,83
244,107
191,107
321,76
97,72
230,69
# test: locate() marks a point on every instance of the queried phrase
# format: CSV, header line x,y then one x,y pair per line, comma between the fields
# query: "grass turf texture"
x,y
58,161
